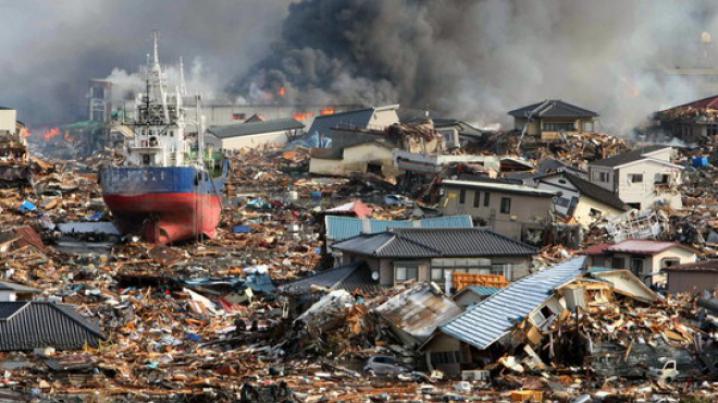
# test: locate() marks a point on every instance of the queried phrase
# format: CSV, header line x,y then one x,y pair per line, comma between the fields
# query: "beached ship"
x,y
169,188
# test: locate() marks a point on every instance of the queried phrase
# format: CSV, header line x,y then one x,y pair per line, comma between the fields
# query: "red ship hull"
x,y
164,218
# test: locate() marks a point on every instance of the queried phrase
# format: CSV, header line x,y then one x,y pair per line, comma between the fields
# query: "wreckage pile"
x,y
207,320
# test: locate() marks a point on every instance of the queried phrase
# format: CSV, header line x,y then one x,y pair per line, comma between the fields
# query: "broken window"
x,y
373,168
662,179
462,196
637,267
506,205
669,262
635,178
594,213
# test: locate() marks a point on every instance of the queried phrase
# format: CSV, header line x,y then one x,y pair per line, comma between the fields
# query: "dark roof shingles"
x,y
630,156
552,108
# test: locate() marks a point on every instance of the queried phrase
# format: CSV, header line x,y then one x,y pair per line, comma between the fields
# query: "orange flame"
x,y
51,133
25,132
301,116
328,110
282,91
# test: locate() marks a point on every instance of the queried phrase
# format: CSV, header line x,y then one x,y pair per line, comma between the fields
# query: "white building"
x,y
255,134
641,177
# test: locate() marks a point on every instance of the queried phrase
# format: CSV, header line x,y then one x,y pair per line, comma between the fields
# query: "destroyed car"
x,y
382,365
667,373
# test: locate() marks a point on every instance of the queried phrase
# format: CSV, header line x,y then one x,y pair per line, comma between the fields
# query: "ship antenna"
x,y
183,85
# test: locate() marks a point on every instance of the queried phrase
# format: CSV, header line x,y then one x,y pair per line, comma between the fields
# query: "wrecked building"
x,y
579,199
516,211
693,122
257,133
647,259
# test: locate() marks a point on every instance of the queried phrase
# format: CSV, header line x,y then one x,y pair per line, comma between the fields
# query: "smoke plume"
x,y
479,59
473,60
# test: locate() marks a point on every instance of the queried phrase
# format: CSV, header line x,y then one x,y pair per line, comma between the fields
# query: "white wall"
x,y
255,140
644,192
7,296
8,117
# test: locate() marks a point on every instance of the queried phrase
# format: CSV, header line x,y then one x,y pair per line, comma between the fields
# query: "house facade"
x,y
371,157
580,199
647,259
641,177
257,133
692,122
549,118
692,277
508,209
430,254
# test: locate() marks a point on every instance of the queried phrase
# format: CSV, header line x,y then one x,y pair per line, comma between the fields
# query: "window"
x,y
406,272
238,116
669,262
146,159
618,263
563,202
635,178
603,176
637,267
462,196
559,127
712,130
661,179
506,205
437,274
594,213
562,181
476,198
486,199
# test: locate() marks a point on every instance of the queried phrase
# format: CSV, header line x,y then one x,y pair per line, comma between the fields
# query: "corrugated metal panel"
x,y
483,290
486,322
341,228
44,324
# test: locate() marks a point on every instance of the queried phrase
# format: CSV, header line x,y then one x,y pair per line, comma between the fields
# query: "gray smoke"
x,y
478,59
52,48
468,59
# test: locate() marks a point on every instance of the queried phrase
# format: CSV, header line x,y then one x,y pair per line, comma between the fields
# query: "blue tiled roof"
x,y
483,324
340,228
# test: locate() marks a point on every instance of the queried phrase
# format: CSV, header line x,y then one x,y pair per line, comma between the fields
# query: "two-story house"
x,y
507,208
548,118
429,254
641,177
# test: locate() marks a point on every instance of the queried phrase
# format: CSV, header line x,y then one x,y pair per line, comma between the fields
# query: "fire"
x,y
51,133
301,116
328,110
282,91
25,132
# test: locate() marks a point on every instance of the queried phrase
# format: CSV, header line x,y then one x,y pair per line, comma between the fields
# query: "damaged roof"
x,y
7,286
348,277
435,242
630,156
257,127
32,324
418,311
340,228
591,190
552,108
644,246
483,324
360,118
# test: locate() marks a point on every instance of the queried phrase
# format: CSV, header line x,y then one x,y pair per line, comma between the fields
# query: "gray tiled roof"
x,y
435,242
28,325
483,324
630,156
246,129
552,108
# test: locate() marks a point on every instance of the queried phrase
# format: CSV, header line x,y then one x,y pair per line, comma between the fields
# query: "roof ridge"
x,y
17,311
419,243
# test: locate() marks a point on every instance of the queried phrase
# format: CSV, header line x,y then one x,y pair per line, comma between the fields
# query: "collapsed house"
x,y
14,158
579,199
646,259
